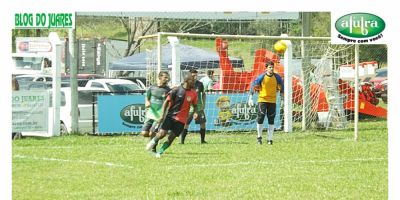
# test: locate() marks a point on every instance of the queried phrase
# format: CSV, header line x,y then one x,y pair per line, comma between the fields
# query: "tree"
x,y
374,52
185,26
135,27
321,24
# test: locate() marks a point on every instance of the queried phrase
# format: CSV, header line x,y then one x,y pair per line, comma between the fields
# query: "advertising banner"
x,y
224,112
120,113
30,111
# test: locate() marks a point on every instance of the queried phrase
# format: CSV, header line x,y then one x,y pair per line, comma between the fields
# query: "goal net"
x,y
319,96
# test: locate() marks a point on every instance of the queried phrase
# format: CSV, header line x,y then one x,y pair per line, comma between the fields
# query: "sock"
x,y
183,135
259,130
270,131
202,134
164,147
154,140
155,147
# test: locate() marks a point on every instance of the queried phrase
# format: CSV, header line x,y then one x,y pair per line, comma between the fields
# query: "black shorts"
x,y
149,125
173,125
201,117
268,109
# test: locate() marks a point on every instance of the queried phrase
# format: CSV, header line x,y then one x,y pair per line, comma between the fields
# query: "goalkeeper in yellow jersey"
x,y
268,84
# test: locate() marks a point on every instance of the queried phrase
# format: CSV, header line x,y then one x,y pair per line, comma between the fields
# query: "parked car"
x,y
380,75
85,110
141,81
34,77
114,85
384,91
25,80
44,85
81,78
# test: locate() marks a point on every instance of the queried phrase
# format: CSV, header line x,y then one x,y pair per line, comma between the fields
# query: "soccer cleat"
x,y
269,142
204,142
150,145
157,155
259,140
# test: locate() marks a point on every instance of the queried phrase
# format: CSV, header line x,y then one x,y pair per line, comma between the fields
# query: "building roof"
x,y
201,15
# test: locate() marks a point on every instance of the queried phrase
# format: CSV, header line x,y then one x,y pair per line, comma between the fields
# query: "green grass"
x,y
310,165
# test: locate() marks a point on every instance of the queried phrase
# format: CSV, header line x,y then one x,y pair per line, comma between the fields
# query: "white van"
x,y
113,85
85,110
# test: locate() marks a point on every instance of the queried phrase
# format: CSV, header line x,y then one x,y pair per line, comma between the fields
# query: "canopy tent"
x,y
190,57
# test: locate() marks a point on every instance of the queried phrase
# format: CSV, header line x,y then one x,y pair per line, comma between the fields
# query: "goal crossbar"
x,y
160,34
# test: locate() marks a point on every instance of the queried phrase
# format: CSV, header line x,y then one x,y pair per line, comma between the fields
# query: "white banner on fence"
x,y
30,111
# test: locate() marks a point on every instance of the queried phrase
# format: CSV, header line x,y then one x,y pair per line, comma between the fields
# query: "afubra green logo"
x,y
360,25
133,114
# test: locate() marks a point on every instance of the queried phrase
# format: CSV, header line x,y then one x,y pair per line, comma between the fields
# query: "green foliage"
x,y
321,24
265,28
310,165
374,52
100,27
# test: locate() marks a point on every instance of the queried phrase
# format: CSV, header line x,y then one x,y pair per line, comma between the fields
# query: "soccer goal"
x,y
317,95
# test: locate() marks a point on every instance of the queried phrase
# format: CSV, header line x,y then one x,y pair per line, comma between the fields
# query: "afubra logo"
x,y
361,27
133,114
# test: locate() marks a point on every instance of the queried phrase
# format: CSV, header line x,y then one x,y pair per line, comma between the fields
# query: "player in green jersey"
x,y
155,97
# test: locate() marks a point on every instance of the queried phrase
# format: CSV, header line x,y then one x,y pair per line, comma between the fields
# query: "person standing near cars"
x,y
208,80
201,119
154,99
15,87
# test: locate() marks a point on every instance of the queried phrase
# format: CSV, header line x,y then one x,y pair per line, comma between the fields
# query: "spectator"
x,y
46,63
15,87
14,84
208,80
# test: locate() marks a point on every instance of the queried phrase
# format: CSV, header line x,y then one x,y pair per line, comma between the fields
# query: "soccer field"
x,y
311,165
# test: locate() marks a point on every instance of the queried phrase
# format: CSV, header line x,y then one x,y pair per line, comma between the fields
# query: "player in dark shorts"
x,y
201,119
177,107
269,83
155,97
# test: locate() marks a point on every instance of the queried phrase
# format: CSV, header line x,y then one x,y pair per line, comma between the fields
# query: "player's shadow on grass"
x,y
186,155
230,142
307,136
216,142
195,153
334,137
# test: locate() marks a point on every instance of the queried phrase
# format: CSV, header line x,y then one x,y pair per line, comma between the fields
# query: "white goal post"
x,y
321,61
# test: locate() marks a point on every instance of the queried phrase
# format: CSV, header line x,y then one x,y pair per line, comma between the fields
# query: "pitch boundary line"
x,y
110,164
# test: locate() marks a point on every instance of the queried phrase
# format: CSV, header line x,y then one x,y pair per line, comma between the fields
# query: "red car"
x,y
82,78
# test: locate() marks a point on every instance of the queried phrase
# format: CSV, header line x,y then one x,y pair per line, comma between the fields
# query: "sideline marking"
x,y
110,164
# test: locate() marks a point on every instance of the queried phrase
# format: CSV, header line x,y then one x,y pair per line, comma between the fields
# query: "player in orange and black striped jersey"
x,y
175,113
